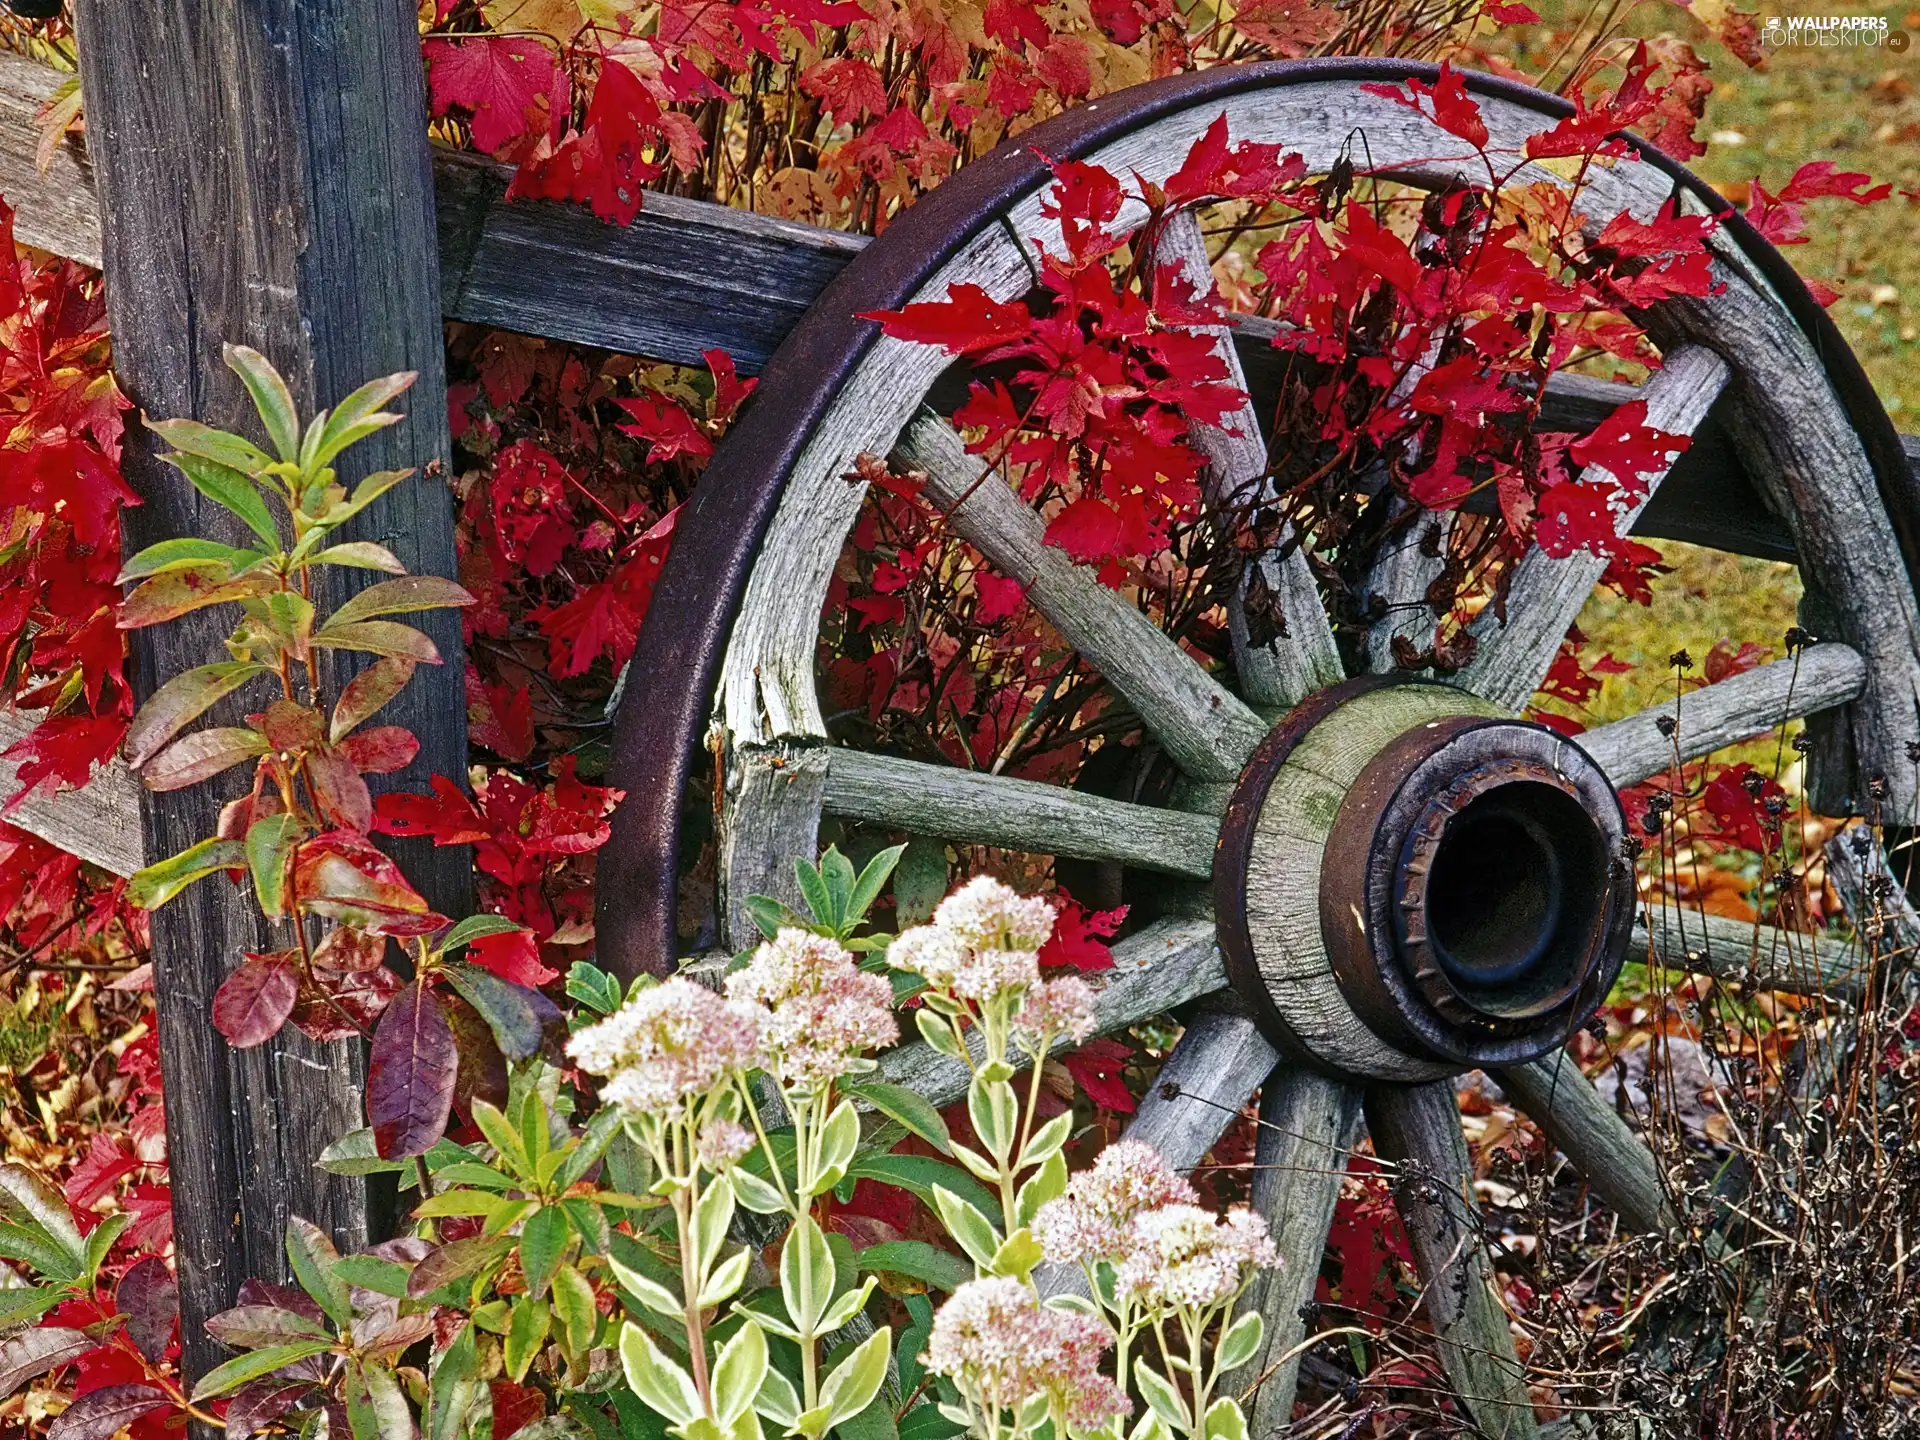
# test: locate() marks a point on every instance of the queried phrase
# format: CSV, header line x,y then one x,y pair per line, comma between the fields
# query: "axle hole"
x,y
1515,895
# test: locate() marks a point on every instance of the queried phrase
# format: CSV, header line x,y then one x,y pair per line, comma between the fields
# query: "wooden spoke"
x,y
1303,658
1308,1126
1205,728
1763,957
1218,1063
1418,1128
1547,593
1818,678
1401,573
1591,1134
1156,970
979,809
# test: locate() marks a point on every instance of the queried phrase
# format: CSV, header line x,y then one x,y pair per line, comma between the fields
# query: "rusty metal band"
x,y
663,716
1234,853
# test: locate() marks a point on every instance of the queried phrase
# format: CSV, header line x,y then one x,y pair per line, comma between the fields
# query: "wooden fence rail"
x,y
683,278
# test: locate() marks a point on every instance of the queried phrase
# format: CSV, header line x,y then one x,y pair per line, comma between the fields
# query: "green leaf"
x,y
356,417
354,1154
269,841
855,1380
26,1199
837,871
229,487
839,1138
456,1260
726,1281
593,987
917,1260
909,1107
100,1241
1224,1419
181,701
772,916
474,927
1161,1394
313,1256
1017,1255
995,1111
521,1019
756,1194
806,1273
527,1326
28,1303
649,1292
364,494
453,1386
203,442
968,1225
253,1366
502,1136
1048,1184
185,550
160,882
1047,1141
815,891
573,1305
873,879
657,1380
186,588
258,1327
778,1400
919,881
379,637
738,1373
270,397
359,555
1241,1341
395,597
925,1175
370,1272
543,1243
386,1404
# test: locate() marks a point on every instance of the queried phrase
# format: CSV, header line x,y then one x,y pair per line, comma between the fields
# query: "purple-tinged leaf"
x,y
173,593
256,1406
455,1261
161,881
180,702
339,794
483,1069
201,756
28,1354
396,597
255,1327
523,1020
372,688
254,1001
379,637
150,1299
101,1413
410,1081
280,1297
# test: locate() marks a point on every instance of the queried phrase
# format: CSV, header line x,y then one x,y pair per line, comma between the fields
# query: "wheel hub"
x,y
1409,885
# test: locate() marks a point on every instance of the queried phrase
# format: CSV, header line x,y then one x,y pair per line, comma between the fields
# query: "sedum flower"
x,y
998,1342
1184,1257
1092,1220
984,914
720,1143
667,1045
1056,1007
825,1012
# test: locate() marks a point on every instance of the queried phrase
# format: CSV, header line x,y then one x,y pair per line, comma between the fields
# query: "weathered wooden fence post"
x,y
264,178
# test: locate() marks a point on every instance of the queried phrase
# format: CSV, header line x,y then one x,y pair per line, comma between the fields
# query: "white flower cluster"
x,y
667,1045
984,942
1000,1344
824,1010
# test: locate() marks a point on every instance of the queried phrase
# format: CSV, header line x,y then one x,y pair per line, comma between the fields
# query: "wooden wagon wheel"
x,y
1346,969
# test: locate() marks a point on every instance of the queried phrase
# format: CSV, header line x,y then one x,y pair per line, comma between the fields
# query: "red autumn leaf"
x,y
150,1299
505,83
514,1407
339,1004
410,1074
1080,935
1725,659
606,618
1510,12
343,875
607,163
1819,179
254,1001
1628,448
106,1161
1572,516
730,392
1736,799
999,597
1213,168
1378,251
665,426
968,320
1452,108
848,88
1088,529
512,955
338,792
500,716
381,750
1099,1066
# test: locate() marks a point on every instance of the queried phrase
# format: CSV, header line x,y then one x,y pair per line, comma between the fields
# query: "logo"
x,y
1830,31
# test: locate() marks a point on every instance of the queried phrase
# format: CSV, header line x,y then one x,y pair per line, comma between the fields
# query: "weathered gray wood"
x,y
1418,1128
1303,658
1591,1134
53,209
980,809
263,178
1203,1085
1205,728
769,820
1805,458
1159,969
1309,1124
1818,678
1762,957
100,824
1547,593
1402,573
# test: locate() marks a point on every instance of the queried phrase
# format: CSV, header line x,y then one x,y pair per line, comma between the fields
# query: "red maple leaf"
x,y
1100,1067
1451,107
968,320
665,425
508,85
848,88
1080,935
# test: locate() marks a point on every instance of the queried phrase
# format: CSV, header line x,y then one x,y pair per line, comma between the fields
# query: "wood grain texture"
x,y
1158,969
1308,1126
1591,1134
974,808
1547,592
100,824
1302,658
263,178
770,819
1207,730
1417,1128
1819,678
1203,1085
1761,957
